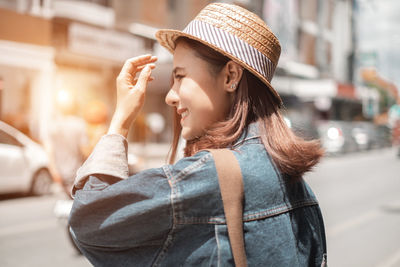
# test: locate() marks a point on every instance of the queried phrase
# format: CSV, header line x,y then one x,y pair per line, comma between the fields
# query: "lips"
x,y
184,112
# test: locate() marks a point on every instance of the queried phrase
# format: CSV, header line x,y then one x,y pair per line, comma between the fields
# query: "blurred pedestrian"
x,y
189,213
66,144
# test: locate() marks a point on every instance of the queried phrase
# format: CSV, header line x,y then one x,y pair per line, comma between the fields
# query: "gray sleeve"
x,y
109,158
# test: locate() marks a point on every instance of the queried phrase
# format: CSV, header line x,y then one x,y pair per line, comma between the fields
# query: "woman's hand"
x,y
131,92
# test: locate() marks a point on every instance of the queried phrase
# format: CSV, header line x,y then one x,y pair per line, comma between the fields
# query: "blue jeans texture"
x,y
174,216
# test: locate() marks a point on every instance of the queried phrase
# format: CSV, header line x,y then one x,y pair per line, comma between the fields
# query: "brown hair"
x,y
253,102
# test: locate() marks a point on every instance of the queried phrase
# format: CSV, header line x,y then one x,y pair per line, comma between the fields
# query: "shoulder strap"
x,y
231,186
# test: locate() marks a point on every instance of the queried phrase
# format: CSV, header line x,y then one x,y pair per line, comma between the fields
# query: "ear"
x,y
232,74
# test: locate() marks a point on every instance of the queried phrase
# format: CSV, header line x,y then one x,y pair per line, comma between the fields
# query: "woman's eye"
x,y
178,77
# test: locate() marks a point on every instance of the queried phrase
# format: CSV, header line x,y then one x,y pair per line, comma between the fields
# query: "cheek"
x,y
195,98
206,105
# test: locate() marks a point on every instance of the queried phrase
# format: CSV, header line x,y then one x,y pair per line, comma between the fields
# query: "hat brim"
x,y
167,39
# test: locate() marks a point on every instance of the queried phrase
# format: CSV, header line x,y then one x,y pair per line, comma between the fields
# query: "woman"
x,y
174,215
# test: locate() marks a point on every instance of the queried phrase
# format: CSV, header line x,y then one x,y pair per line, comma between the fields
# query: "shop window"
x,y
307,48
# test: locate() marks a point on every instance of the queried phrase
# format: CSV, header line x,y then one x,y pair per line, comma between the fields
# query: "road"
x,y
359,196
31,235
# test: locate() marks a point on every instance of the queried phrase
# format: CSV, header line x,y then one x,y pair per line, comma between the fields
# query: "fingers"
x,y
150,80
134,64
144,77
142,67
131,67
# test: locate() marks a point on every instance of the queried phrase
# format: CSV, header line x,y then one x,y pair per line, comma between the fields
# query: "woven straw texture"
x,y
245,25
236,21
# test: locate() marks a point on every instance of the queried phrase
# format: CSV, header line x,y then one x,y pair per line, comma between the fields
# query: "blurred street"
x,y
338,77
360,201
31,235
359,196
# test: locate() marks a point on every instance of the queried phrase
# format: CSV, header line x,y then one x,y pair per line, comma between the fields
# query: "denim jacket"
x,y
174,216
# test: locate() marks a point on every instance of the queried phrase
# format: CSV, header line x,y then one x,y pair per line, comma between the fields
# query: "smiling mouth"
x,y
184,114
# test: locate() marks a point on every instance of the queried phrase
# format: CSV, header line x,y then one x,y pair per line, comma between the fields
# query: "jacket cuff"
x,y
109,157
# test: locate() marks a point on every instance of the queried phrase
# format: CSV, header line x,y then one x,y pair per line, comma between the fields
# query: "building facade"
x,y
54,49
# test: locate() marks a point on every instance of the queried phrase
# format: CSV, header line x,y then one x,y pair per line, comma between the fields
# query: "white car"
x,y
23,164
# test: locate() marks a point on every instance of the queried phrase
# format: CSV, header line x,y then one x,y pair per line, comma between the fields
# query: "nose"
x,y
172,98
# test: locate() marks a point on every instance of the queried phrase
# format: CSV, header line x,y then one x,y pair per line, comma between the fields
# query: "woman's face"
x,y
198,95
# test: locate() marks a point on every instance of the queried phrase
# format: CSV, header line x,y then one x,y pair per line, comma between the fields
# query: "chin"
x,y
189,134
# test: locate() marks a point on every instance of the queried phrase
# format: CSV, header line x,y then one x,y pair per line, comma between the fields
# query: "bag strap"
x,y
231,186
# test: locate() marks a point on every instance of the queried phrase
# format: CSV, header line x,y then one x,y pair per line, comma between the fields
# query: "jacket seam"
x,y
278,210
198,163
218,245
169,238
271,212
202,220
246,139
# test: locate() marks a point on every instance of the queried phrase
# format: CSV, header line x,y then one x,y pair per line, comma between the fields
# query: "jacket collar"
x,y
251,132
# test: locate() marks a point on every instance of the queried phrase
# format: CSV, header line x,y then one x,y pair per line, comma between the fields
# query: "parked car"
x,y
23,164
363,133
337,137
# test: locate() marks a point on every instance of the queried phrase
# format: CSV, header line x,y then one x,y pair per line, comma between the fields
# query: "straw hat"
x,y
236,33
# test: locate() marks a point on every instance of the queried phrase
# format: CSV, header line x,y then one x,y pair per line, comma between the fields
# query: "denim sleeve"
x,y
109,157
114,212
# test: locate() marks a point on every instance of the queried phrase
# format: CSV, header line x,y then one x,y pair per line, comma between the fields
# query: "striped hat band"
x,y
232,45
236,33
